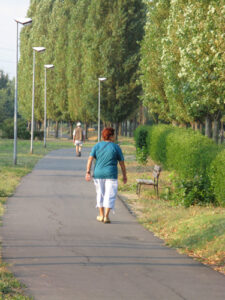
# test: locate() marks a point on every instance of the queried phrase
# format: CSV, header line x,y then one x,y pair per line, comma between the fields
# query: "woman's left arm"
x,y
88,172
123,168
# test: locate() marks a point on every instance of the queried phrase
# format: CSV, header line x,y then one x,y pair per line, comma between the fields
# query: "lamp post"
x,y
35,49
45,106
22,21
99,102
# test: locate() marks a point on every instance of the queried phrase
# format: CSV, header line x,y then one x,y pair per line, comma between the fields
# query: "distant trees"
x,y
6,98
84,39
183,60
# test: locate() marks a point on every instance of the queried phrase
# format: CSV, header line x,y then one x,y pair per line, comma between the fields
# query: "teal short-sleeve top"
x,y
107,155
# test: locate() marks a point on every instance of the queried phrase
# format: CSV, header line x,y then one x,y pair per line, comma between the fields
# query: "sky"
x,y
10,10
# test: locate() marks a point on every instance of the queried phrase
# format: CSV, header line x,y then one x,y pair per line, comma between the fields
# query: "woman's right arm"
x,y
88,172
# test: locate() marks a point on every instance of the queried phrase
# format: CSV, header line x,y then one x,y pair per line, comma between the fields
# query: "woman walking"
x,y
107,155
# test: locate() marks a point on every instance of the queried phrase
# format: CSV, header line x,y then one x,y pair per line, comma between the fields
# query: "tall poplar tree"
x,y
76,29
152,77
111,42
202,63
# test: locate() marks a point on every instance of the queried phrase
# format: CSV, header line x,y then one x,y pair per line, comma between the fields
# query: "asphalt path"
x,y
55,246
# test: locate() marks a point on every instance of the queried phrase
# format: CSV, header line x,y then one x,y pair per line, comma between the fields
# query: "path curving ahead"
x,y
57,248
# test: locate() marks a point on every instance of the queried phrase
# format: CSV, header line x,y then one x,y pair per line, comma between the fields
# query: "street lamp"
x,y
45,109
22,21
35,49
99,128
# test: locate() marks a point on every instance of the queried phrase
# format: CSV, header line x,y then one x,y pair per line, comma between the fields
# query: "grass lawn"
x,y
198,231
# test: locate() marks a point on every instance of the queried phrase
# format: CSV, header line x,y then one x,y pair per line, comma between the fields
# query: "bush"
x,y
186,151
191,191
39,135
8,129
22,130
194,157
140,136
217,177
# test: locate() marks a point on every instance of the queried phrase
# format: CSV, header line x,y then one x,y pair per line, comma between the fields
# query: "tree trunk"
x,y
208,127
86,131
196,126
56,129
116,131
29,125
130,128
215,130
120,129
135,125
222,132
61,129
71,129
174,123
201,128
125,129
192,125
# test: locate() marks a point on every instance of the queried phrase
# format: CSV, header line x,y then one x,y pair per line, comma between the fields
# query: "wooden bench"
x,y
154,182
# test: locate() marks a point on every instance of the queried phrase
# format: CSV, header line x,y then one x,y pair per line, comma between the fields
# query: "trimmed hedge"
x,y
194,157
217,177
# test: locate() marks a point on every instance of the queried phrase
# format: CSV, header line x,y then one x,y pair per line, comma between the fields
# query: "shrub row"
x,y
197,160
22,130
8,129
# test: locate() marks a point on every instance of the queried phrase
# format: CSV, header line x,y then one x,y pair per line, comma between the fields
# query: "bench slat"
x,y
145,181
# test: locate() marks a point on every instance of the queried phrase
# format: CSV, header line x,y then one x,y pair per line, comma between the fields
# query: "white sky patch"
x,y
9,10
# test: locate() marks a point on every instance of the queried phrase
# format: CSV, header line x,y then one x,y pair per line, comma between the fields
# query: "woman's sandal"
x,y
106,220
100,218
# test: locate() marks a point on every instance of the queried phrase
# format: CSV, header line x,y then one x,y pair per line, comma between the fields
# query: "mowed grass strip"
x,y
198,231
10,176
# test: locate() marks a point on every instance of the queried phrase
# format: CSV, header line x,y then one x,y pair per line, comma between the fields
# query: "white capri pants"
x,y
106,190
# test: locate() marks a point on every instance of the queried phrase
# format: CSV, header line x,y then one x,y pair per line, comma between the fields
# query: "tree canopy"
x,y
183,59
85,40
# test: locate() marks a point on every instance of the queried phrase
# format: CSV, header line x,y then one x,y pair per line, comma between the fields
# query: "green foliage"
x,y
39,135
85,40
183,150
8,129
198,162
191,191
6,97
142,155
140,135
217,177
22,130
114,45
183,59
152,78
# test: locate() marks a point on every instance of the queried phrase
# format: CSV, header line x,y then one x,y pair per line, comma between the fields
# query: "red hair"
x,y
107,133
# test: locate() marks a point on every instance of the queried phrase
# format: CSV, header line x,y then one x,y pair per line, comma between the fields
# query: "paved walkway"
x,y
57,248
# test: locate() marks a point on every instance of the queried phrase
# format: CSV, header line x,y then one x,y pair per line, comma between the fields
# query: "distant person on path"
x,y
107,155
78,138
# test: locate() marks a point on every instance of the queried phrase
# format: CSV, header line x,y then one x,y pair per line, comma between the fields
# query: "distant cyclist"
x,y
78,138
